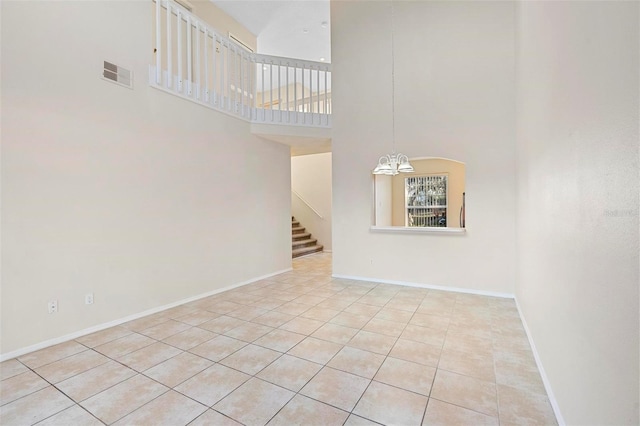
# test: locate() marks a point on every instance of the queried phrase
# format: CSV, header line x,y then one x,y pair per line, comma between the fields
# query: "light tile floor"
x,y
298,348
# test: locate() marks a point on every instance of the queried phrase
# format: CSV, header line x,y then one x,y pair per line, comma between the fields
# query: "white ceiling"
x,y
290,28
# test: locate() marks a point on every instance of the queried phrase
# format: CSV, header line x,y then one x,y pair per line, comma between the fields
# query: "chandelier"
x,y
392,164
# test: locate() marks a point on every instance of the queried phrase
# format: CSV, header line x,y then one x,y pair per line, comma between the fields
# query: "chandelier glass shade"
x,y
392,164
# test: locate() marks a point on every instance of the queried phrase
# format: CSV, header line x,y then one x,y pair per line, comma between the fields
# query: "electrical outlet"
x,y
88,299
53,306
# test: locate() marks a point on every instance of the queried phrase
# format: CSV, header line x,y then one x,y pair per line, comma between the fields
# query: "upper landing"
x,y
286,100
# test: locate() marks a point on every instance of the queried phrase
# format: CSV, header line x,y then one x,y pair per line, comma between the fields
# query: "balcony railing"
x,y
193,61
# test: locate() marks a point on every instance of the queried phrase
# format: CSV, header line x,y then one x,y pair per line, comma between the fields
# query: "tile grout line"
x,y
62,392
300,288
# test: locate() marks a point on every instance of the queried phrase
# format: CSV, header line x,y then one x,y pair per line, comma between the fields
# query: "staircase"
x,y
302,243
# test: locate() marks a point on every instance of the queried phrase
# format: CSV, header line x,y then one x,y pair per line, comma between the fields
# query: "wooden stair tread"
x,y
299,243
300,236
306,250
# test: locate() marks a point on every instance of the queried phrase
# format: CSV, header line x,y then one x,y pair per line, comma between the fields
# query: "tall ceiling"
x,y
291,28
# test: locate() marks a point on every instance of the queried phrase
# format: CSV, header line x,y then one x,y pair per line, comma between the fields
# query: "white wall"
x,y
311,180
578,180
223,23
383,196
455,97
135,195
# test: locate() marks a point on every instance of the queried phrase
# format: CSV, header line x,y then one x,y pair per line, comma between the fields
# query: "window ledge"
x,y
417,230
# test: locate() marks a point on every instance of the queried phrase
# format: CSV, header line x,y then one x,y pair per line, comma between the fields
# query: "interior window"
x,y
432,196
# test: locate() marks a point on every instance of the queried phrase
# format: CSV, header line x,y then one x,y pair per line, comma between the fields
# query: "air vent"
x,y
118,75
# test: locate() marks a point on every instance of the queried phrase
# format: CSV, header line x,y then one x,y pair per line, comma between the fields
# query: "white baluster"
x,y
198,65
229,76
287,83
189,59
214,79
241,83
158,43
206,64
179,30
252,88
222,73
271,89
234,78
263,66
325,98
304,116
169,48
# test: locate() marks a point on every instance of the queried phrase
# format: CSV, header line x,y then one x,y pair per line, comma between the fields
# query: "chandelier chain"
x,y
393,82
392,164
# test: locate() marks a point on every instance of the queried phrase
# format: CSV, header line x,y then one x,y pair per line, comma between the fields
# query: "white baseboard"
x,y
543,375
429,286
100,327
